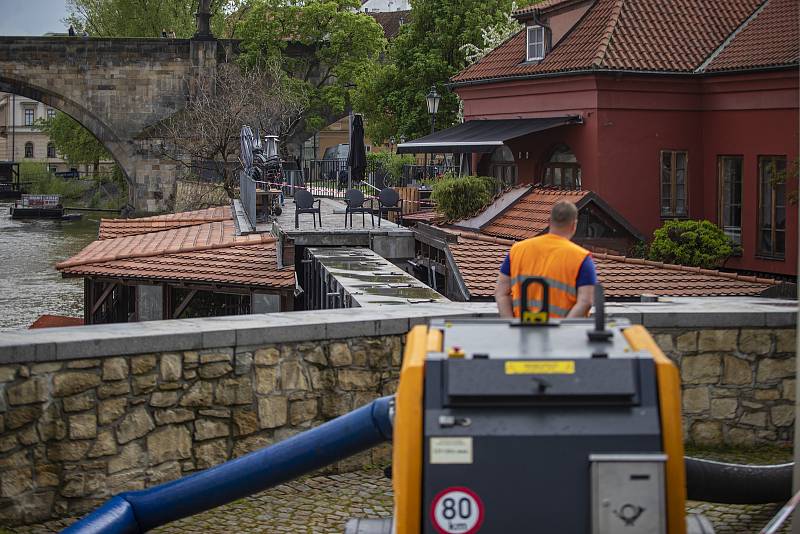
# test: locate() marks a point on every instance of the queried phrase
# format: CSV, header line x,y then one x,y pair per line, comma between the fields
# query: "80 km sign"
x,y
457,510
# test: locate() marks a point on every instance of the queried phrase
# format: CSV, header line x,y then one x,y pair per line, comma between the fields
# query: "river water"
x,y
29,284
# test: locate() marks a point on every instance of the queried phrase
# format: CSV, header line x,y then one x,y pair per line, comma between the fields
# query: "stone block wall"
x,y
76,432
738,383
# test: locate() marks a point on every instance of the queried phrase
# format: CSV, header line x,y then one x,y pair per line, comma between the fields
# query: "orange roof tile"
x,y
246,265
427,216
771,38
55,321
391,21
198,246
544,5
478,262
648,35
204,236
530,215
110,228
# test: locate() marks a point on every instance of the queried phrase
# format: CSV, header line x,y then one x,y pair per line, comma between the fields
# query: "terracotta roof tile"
x,y
427,216
544,5
530,215
770,39
204,236
479,260
391,21
644,35
56,321
111,228
246,265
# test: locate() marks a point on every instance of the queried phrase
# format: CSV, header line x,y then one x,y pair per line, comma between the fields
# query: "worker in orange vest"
x,y
568,269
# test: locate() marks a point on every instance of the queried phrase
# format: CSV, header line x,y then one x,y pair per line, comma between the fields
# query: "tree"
x,y
74,142
147,18
429,50
691,243
205,135
324,45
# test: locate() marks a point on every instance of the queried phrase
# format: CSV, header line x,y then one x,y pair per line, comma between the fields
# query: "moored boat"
x,y
38,207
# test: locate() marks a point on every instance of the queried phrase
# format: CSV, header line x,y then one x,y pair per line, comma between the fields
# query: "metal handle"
x,y
523,305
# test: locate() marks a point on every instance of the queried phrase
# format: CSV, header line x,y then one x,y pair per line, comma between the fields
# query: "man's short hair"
x,y
564,213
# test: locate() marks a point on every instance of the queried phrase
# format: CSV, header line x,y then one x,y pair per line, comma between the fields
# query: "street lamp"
x,y
432,99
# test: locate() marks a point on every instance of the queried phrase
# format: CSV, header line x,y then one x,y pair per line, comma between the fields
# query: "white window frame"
x,y
532,56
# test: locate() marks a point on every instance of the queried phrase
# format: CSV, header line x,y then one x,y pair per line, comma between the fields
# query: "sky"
x,y
32,17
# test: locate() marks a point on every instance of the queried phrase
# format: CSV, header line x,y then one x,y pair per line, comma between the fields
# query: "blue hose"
x,y
139,511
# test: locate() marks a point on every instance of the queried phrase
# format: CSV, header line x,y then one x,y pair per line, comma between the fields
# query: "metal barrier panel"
x,y
247,194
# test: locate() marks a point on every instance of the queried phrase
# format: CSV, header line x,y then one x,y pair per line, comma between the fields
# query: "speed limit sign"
x,y
457,510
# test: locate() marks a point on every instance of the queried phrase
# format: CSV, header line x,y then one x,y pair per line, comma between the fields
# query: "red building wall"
x,y
629,120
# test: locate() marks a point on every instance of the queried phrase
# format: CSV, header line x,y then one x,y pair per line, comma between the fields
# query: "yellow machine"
x,y
548,427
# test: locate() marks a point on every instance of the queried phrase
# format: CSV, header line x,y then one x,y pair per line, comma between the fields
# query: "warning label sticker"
x,y
451,450
547,367
457,510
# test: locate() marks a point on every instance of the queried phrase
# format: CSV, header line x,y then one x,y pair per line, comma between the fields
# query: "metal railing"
x,y
326,177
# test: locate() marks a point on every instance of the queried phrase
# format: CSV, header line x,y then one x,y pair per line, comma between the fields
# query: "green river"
x,y
29,284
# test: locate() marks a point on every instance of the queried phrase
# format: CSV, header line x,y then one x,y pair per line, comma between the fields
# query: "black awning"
x,y
481,135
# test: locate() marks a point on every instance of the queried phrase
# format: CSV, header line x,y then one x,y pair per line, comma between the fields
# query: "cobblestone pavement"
x,y
323,504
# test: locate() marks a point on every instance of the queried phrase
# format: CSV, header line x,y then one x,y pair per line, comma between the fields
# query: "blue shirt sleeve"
x,y
505,268
587,275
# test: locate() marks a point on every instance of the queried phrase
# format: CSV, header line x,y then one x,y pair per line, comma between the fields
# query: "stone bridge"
x,y
116,88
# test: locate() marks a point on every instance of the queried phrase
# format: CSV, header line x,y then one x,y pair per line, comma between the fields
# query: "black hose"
x,y
720,482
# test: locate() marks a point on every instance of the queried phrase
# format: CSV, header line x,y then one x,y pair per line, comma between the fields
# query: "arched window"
x,y
51,150
28,149
502,165
562,169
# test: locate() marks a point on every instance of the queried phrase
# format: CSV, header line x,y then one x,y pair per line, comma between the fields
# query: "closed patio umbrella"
x,y
357,157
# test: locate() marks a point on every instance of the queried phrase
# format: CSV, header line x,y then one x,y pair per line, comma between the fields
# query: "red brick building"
x,y
680,109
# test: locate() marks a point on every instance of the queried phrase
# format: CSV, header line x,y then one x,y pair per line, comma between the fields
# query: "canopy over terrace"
x,y
482,136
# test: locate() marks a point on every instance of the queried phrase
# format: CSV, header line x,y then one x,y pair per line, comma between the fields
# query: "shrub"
x,y
391,164
691,243
459,197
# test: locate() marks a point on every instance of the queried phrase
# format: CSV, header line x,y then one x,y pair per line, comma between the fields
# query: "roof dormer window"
x,y
536,43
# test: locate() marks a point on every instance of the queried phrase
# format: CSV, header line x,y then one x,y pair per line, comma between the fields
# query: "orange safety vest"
x,y
553,258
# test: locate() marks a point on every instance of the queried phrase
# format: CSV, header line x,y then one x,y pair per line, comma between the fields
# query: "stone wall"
x,y
75,433
738,384
87,412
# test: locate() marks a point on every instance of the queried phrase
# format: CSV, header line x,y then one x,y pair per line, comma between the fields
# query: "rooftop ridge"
x,y
605,39
717,51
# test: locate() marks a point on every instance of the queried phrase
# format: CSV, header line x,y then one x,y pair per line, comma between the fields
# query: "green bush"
x,y
691,243
391,164
459,197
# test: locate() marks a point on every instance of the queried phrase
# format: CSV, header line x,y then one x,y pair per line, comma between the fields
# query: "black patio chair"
x,y
355,204
304,203
389,200
342,183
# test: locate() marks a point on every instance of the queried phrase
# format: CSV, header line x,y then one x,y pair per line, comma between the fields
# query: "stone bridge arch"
x,y
116,88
